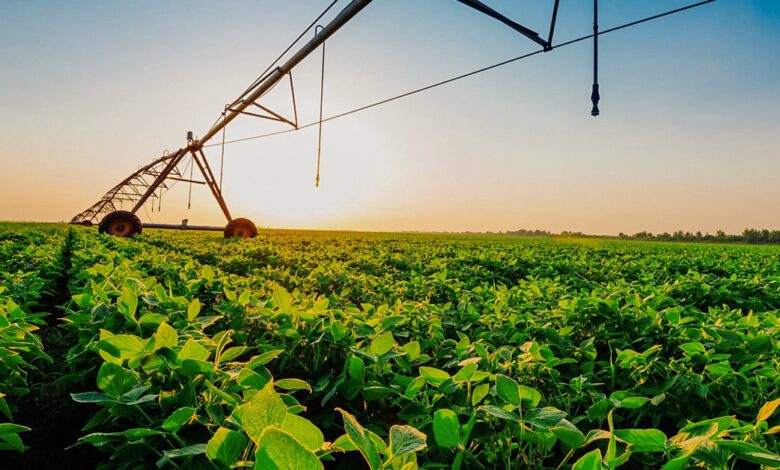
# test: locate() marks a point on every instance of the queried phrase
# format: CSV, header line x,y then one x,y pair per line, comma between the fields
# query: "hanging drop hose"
x,y
189,197
222,154
322,98
594,94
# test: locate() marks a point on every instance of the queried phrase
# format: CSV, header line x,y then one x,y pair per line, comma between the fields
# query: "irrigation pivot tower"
x,y
150,181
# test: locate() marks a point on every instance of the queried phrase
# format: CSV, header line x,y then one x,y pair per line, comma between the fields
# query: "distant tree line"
x,y
527,233
749,235
514,233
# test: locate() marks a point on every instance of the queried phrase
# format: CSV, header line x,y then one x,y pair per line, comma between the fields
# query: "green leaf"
x,y
138,433
382,344
678,463
356,368
245,298
282,298
264,358
120,346
249,378
152,320
232,353
192,367
293,384
434,376
11,441
414,387
127,303
611,454
193,309
479,393
361,440
304,431
530,396
767,410
412,349
406,440
599,410
466,373
344,444
193,350
92,397
11,428
508,390
589,461
178,418
719,369
277,450
165,337
633,402
544,418
207,272
4,408
500,413
338,330
265,409
226,446
749,452
710,427
196,449
643,440
115,379
568,433
377,392
446,428
693,348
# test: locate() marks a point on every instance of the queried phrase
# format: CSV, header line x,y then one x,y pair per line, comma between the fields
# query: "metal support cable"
x,y
553,21
295,106
322,100
475,72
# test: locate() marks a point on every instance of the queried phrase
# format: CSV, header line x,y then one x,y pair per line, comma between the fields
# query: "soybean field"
x,y
309,350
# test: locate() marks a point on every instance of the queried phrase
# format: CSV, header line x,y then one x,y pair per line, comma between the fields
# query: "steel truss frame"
x,y
141,186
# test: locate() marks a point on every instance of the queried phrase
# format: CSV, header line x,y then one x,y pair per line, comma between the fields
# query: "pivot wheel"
x,y
241,228
120,224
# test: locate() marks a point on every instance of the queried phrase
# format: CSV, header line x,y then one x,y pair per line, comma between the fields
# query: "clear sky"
x,y
688,137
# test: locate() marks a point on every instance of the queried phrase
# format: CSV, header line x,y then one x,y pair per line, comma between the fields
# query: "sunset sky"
x,y
689,136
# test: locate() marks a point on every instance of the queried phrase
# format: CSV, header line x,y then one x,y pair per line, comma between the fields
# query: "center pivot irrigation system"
x,y
149,182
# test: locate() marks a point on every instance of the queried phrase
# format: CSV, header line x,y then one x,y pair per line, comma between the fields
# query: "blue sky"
x,y
687,139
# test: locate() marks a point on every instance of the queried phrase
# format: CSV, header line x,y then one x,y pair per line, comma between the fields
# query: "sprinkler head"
x,y
594,98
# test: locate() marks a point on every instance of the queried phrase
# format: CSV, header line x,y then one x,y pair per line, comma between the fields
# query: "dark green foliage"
x,y
454,351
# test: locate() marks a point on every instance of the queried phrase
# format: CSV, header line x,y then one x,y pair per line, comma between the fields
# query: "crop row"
x,y
29,265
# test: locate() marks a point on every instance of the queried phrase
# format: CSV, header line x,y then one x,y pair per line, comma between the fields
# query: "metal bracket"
x,y
271,115
530,34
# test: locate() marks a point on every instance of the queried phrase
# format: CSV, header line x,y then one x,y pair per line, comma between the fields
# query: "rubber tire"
x,y
120,224
240,228
87,223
